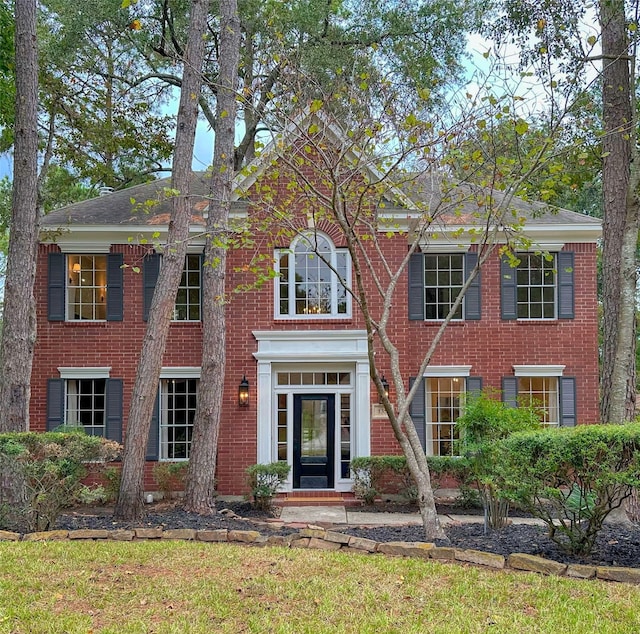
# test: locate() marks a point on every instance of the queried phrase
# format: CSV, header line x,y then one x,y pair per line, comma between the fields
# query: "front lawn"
x,y
145,587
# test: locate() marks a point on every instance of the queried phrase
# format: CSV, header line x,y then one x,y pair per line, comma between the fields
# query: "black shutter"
x,y
417,409
510,390
508,290
150,270
568,416
113,410
472,303
416,287
57,277
473,385
153,443
55,403
114,286
565,285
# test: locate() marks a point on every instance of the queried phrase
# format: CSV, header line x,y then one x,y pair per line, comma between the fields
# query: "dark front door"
x,y
313,441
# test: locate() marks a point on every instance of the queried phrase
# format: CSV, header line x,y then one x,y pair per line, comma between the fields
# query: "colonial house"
x,y
297,384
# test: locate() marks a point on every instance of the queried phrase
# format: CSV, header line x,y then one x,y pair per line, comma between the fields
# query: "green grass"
x,y
144,587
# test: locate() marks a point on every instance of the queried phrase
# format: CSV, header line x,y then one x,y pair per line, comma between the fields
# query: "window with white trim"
x,y
443,281
312,275
187,306
85,404
178,399
540,392
87,287
442,411
536,282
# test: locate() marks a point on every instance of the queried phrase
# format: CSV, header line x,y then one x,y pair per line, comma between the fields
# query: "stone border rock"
x,y
325,539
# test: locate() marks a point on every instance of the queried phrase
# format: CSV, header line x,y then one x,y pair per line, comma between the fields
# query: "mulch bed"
x,y
617,544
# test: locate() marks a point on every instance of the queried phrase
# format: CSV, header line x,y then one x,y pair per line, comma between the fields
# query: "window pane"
x,y
87,287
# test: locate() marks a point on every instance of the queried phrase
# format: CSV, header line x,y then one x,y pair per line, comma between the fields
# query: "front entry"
x,y
313,441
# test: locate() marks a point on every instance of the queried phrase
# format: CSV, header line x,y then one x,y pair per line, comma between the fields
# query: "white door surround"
x,y
295,350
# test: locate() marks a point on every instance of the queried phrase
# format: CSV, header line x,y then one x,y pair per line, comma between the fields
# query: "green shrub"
x,y
264,480
112,477
376,475
170,477
569,478
40,474
485,420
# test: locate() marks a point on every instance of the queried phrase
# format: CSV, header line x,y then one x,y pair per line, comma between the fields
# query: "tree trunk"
x,y
620,218
19,324
130,503
200,490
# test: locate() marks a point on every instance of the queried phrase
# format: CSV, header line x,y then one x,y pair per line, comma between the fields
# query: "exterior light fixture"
x,y
385,387
243,392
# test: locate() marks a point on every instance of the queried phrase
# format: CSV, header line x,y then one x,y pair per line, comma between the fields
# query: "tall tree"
x,y
620,180
130,502
562,33
200,488
19,328
94,119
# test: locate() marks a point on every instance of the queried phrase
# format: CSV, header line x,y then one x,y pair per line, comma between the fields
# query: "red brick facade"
x,y
490,345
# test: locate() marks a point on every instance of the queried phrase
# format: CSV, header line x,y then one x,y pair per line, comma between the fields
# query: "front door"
x,y
313,441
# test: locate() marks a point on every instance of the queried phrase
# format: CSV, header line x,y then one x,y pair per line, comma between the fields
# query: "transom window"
x,y
87,287
85,405
177,411
443,281
540,392
536,280
187,307
314,378
311,279
443,410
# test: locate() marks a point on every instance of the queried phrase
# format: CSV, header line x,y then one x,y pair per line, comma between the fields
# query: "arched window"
x,y
312,275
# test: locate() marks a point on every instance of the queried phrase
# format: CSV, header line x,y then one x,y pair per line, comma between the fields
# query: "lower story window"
x,y
540,392
177,412
443,410
85,405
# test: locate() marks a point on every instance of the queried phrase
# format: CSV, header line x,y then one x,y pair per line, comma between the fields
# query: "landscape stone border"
x,y
326,539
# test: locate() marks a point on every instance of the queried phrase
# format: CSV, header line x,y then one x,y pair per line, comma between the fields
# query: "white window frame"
x,y
186,288
454,290
69,374
550,267
76,290
331,261
523,372
168,374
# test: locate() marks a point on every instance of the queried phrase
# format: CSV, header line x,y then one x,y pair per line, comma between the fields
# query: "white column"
x,y
265,426
362,423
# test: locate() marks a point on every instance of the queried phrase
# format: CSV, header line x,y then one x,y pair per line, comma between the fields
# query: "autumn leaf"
x,y
135,25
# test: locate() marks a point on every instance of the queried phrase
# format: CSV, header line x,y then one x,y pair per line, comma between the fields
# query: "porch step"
x,y
316,498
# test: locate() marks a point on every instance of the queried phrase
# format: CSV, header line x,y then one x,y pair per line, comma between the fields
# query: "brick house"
x,y
298,341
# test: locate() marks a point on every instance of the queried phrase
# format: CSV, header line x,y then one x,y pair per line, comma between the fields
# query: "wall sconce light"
x,y
385,387
243,392
76,267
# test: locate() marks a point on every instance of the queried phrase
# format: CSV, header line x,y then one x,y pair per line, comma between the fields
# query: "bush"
x,y
40,474
264,480
375,475
570,478
485,420
170,477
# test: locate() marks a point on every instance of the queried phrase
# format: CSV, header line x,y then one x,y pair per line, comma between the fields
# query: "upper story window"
x,y
187,307
541,286
536,280
435,281
443,280
312,275
87,287
188,304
